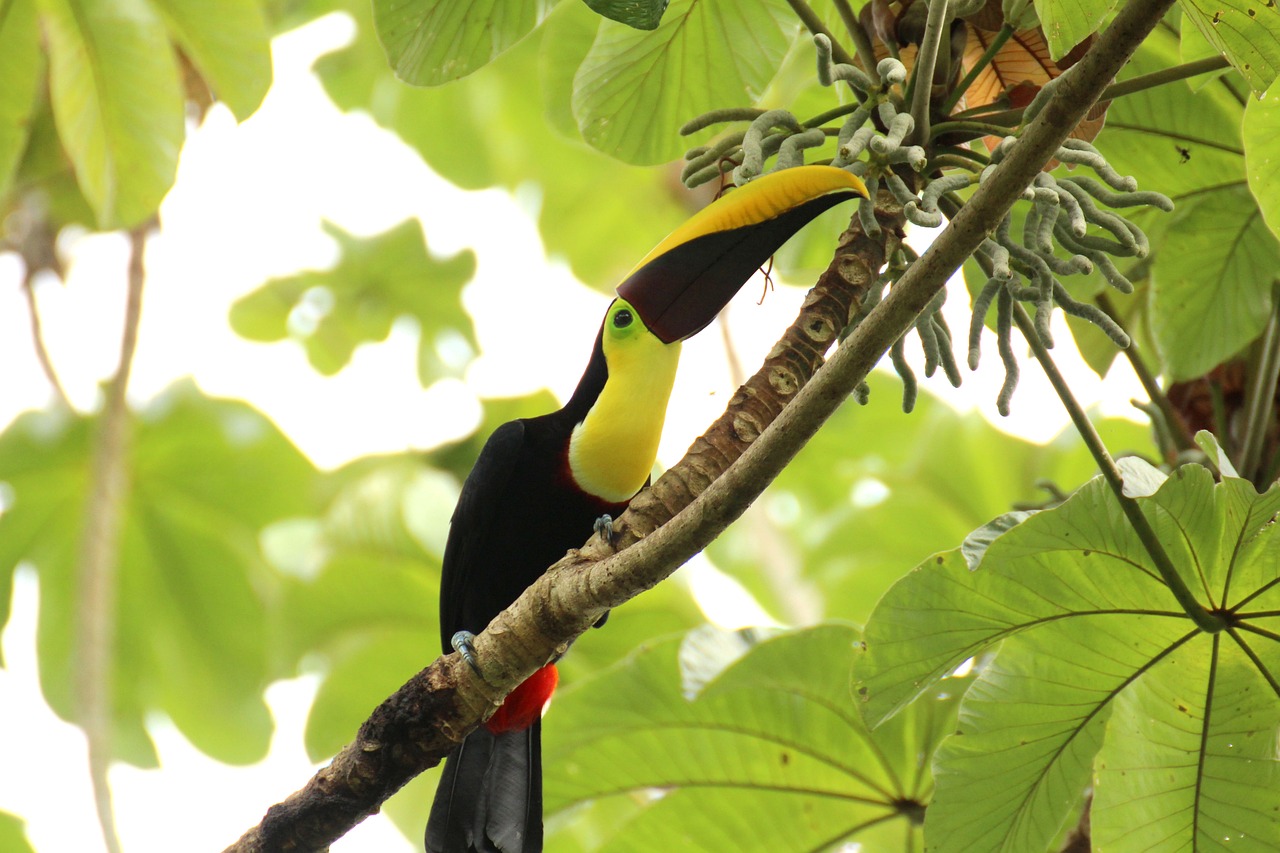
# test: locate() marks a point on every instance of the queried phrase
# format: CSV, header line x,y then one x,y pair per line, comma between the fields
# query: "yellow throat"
x,y
612,451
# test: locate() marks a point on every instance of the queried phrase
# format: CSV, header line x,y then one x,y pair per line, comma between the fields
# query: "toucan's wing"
x,y
473,522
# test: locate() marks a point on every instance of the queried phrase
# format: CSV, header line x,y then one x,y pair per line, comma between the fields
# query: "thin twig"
x,y
1127,87
922,80
815,26
1261,405
37,337
99,554
861,41
1177,425
1204,620
983,61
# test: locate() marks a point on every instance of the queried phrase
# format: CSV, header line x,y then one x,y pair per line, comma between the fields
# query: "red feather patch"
x,y
524,705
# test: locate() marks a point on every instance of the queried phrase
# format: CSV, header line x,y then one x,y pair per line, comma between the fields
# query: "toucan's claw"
x,y
464,643
604,529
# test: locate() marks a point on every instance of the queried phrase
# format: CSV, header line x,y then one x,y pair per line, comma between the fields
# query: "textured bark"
x,y
406,734
797,355
576,591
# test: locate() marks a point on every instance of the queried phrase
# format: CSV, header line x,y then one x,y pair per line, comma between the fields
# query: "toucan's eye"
x,y
622,319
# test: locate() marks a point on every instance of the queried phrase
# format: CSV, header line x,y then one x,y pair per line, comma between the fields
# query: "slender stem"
x,y
835,112
1204,620
1221,423
952,161
922,82
983,61
977,128
1129,87
1166,75
976,158
37,337
1180,435
814,24
1260,408
99,555
861,41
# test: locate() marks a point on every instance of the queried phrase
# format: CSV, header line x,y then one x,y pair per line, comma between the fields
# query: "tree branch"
x,y
99,554
418,726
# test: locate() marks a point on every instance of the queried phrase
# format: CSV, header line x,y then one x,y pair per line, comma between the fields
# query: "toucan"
x,y
542,485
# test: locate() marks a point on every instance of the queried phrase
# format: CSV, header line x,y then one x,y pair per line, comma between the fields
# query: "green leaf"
x,y
21,68
507,100
1206,699
850,521
1262,154
1179,144
229,43
635,89
191,626
1066,23
1194,47
1247,31
377,280
45,173
1212,285
12,836
640,14
429,42
118,103
1082,620
1206,283
771,750
1029,728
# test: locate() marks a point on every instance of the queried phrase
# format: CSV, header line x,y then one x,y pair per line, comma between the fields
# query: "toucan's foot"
x,y
603,619
464,643
604,528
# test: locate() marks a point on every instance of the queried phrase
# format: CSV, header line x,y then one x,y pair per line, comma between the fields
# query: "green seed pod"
x,y
898,357
1004,341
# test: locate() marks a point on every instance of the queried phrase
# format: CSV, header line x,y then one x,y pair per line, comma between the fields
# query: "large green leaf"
x,y
12,837
465,131
1082,618
1205,701
1262,154
229,43
44,173
191,624
770,755
429,42
118,103
21,65
1194,47
1213,284
1211,275
635,89
376,281
1066,23
847,510
1246,31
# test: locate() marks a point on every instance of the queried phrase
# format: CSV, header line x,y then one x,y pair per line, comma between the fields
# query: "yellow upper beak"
x,y
680,286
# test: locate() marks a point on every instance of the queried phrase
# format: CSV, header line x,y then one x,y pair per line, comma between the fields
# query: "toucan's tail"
x,y
490,795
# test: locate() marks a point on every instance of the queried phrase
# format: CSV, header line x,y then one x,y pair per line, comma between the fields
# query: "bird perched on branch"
x,y
541,485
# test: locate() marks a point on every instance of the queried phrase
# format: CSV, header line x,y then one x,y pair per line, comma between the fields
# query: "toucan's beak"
x,y
684,282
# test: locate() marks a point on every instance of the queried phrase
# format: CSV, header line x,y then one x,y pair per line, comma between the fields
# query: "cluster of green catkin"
x,y
1065,213
1074,213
